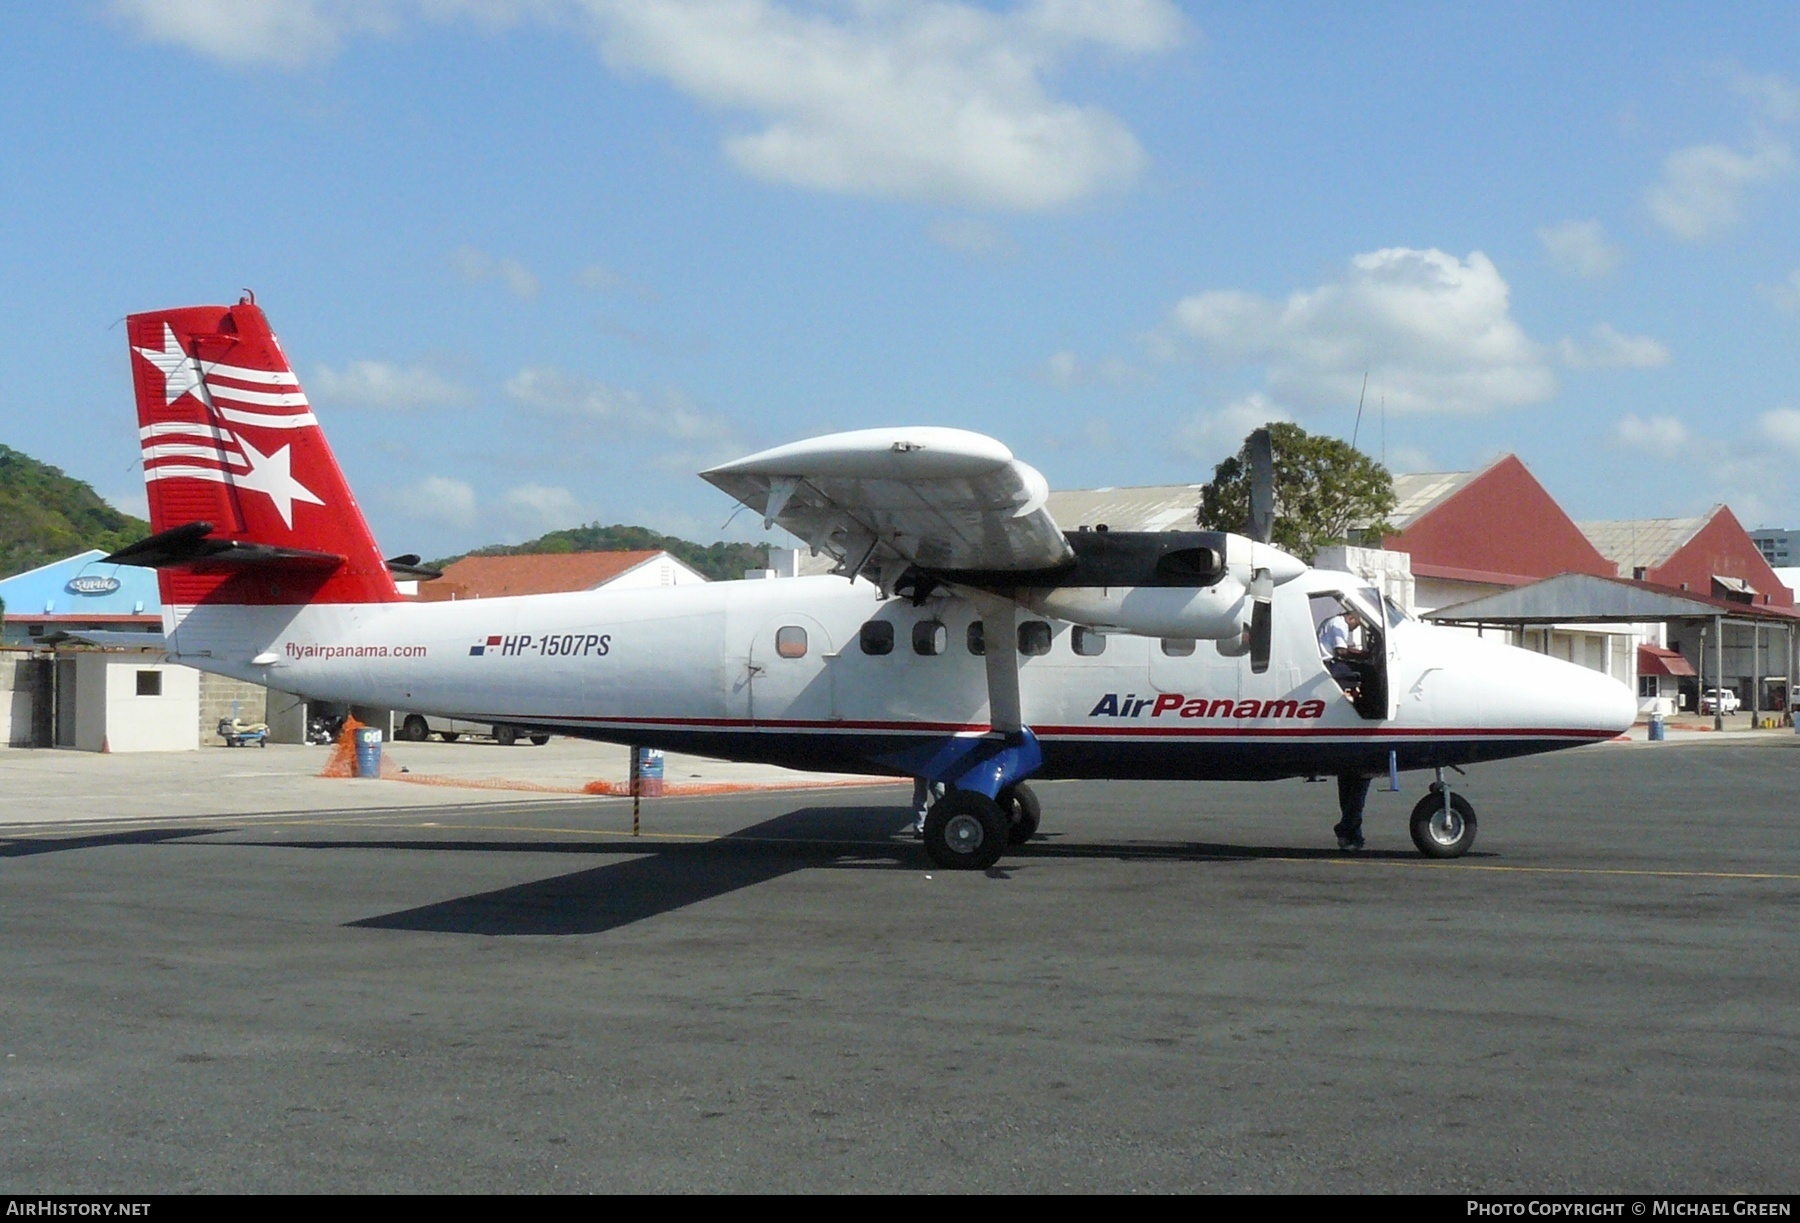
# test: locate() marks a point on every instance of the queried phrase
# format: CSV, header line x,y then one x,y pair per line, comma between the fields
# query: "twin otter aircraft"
x,y
966,639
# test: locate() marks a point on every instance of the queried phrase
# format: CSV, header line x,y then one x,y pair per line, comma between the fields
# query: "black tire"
x,y
965,831
1023,812
1438,835
539,740
505,736
449,736
414,730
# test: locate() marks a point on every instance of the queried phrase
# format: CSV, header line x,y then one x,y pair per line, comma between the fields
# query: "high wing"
x,y
883,499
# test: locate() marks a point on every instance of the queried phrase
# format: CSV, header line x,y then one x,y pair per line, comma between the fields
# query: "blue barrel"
x,y
1658,730
650,772
368,752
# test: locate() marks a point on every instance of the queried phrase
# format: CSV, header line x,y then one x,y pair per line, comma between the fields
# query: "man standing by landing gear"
x,y
1353,793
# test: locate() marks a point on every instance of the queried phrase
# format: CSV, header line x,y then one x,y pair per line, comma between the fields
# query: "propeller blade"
x,y
1261,526
1262,619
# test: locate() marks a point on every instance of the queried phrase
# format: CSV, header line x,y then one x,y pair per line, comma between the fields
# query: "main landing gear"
x,y
1443,824
967,830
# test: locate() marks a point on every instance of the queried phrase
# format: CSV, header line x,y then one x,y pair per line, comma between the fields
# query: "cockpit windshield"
x,y
1371,598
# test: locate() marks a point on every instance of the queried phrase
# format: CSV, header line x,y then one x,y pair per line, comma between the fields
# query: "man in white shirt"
x,y
1341,634
1341,639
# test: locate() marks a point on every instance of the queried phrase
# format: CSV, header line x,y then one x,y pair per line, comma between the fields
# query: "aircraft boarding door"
x,y
1360,671
790,672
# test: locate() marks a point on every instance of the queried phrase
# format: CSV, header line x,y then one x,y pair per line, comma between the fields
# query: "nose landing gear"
x,y
1443,824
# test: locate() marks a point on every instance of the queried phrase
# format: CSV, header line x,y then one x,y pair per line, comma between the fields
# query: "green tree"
x,y
1325,490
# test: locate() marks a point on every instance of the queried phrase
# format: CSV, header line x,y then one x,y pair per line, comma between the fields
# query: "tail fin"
x,y
230,442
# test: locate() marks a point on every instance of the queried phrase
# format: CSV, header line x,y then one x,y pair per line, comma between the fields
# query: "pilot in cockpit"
x,y
1343,639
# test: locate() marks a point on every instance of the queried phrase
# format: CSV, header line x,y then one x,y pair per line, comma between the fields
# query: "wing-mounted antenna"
x,y
1261,529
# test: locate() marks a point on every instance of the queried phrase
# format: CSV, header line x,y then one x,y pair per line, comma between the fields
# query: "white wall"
x,y
111,717
663,570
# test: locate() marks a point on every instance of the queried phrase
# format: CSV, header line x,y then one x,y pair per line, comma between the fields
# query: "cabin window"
x,y
790,641
930,637
977,639
877,638
1087,643
1034,638
149,683
1178,647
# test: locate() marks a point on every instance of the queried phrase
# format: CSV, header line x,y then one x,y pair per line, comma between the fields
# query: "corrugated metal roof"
x,y
1150,507
1642,543
1417,492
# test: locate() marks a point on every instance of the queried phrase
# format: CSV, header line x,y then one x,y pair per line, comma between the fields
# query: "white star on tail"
x,y
181,373
270,474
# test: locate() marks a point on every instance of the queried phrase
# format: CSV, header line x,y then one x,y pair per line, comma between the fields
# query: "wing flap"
x,y
934,497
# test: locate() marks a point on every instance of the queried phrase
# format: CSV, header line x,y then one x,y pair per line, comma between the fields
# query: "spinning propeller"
x,y
1261,530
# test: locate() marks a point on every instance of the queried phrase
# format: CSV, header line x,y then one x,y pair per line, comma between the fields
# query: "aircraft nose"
x,y
1525,689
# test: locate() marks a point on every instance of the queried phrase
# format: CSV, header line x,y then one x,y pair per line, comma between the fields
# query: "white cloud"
x,y
283,33
1608,348
538,508
1065,371
551,391
1433,333
1702,189
1774,96
1662,436
387,387
1786,295
973,239
440,499
1212,436
1580,248
1781,426
943,101
1407,459
477,266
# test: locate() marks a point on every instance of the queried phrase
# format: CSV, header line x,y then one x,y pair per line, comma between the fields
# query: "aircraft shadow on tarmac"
x,y
663,876
25,847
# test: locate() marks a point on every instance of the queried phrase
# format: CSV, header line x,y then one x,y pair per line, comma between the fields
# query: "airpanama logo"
x,y
1112,705
209,449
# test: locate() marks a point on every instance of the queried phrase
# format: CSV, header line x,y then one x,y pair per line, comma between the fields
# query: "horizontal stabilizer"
x,y
192,543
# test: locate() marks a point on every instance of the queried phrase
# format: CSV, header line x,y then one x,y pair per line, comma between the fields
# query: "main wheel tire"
x,y
449,736
414,730
539,740
1439,833
1023,812
505,736
965,831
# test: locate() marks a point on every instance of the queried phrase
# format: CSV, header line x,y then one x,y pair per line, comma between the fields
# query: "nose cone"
x,y
1529,691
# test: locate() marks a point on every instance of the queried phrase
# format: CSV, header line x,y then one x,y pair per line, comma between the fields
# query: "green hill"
x,y
45,516
719,561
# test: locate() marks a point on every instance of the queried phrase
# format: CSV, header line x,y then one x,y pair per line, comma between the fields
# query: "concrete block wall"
x,y
218,695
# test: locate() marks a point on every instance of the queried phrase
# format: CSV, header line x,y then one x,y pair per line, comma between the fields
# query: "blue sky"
x,y
537,261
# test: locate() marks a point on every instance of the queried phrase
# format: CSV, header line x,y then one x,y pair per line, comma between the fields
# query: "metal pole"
x,y
1718,672
1755,675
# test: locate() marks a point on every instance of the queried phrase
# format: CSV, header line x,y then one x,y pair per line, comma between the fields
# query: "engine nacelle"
x,y
1211,612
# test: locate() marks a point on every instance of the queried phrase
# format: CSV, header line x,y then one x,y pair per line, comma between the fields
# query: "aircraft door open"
x,y
1352,631
789,676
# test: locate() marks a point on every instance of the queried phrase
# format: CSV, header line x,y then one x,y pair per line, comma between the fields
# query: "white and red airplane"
x,y
966,640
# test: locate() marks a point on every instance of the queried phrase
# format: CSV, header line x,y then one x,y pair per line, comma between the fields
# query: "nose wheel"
x,y
1443,824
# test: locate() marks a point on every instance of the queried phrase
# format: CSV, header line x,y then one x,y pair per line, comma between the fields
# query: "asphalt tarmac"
x,y
1176,987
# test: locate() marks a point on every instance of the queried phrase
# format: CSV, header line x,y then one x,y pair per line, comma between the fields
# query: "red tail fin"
x,y
229,439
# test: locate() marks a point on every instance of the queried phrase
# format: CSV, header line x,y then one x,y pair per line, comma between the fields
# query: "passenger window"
x,y
790,641
977,639
930,637
1034,638
1178,647
877,638
1087,643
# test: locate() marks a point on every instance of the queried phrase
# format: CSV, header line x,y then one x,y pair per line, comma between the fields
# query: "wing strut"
x,y
1000,644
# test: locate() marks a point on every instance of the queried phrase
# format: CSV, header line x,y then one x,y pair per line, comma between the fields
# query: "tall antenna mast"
x,y
1359,406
